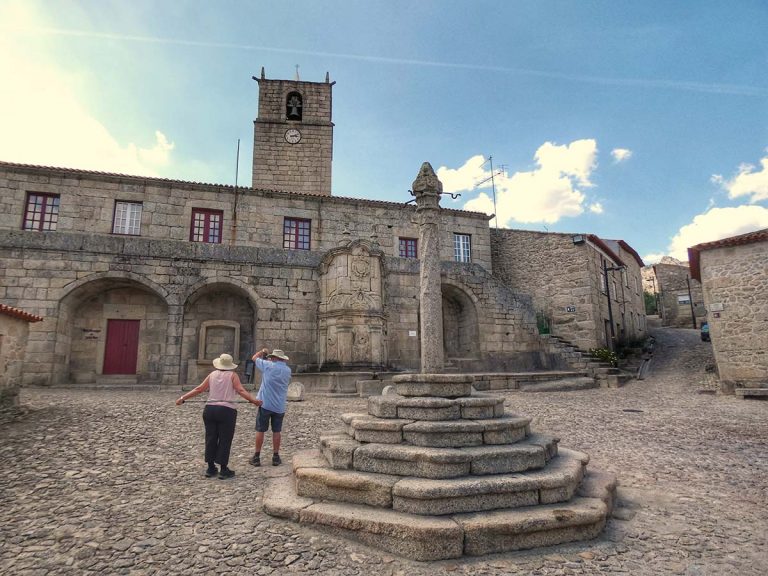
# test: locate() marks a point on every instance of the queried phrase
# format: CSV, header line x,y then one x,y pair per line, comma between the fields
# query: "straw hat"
x,y
224,362
277,353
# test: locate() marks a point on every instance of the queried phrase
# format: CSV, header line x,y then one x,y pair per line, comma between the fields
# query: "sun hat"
x,y
224,362
277,353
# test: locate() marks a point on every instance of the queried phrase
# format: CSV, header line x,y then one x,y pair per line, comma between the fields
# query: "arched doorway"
x,y
461,337
219,318
111,327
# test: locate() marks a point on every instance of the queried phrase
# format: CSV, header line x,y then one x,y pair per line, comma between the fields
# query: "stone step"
x,y
453,434
437,385
366,428
427,538
753,392
556,483
315,479
344,453
564,385
477,406
438,433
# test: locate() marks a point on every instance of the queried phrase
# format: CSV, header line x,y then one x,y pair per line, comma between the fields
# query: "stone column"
x,y
426,190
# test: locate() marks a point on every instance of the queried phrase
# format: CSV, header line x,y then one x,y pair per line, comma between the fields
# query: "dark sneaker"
x,y
276,460
211,472
255,460
226,473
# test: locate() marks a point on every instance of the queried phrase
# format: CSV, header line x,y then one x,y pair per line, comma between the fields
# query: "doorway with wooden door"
x,y
121,350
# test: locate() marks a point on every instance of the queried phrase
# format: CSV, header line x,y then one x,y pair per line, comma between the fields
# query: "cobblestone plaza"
x,y
112,482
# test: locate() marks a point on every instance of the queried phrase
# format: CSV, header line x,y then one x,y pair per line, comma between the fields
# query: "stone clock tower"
x,y
293,136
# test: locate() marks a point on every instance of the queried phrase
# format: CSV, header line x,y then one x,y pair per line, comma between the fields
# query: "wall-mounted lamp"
x,y
578,239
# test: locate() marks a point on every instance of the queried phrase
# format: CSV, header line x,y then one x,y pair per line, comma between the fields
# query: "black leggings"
x,y
219,430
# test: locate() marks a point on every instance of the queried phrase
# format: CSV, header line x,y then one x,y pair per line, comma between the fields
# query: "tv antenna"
x,y
492,177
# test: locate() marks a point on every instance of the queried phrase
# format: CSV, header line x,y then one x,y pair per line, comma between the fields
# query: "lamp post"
x,y
607,269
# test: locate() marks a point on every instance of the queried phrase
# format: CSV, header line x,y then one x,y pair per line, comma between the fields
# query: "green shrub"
x,y
605,355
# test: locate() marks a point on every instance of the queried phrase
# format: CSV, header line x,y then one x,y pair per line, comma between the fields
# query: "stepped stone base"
x,y
428,538
437,471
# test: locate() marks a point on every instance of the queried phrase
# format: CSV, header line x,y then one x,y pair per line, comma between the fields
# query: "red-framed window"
x,y
127,218
206,225
41,212
296,233
409,248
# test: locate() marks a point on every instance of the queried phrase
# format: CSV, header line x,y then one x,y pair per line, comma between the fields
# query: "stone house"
x,y
14,331
584,289
146,280
679,297
734,276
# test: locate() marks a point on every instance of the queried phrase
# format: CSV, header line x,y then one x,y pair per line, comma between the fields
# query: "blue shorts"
x,y
265,417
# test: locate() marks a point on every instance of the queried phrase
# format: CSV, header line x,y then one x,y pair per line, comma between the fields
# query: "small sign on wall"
x,y
412,333
716,307
570,309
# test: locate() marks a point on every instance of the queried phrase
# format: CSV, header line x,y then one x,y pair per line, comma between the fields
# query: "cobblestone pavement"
x,y
112,483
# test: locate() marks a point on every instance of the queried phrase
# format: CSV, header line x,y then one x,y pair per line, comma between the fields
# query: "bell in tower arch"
x,y
293,106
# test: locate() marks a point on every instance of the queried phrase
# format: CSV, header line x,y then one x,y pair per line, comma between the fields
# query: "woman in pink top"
x,y
220,413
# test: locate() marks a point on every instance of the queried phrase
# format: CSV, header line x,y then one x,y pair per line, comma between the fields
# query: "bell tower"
x,y
293,136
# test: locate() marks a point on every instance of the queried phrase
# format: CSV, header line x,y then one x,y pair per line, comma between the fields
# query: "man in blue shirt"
x,y
273,392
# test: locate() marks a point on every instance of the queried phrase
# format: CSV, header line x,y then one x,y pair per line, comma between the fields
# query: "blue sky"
x,y
645,121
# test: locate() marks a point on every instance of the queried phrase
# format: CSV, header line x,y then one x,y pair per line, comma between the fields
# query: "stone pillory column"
x,y
427,189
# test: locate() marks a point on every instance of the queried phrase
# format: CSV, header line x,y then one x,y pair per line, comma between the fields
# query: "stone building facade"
x,y
679,298
734,276
584,289
14,331
146,280
345,299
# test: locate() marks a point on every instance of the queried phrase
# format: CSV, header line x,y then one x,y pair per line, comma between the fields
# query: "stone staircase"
x,y
604,374
438,471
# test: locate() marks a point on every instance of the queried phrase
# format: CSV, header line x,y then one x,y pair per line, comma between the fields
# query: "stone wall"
x,y
672,283
565,282
735,283
555,272
13,343
88,205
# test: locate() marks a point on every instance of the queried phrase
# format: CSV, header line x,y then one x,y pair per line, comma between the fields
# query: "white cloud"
x,y
44,121
596,208
621,154
464,178
547,193
749,181
715,224
653,258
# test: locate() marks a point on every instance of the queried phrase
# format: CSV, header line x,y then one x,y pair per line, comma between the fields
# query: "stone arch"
x,y
219,316
461,322
73,287
90,309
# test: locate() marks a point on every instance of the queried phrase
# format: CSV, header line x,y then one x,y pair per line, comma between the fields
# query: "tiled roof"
x,y
741,239
16,313
600,243
167,181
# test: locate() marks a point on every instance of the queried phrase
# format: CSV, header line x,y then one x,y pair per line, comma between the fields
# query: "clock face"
x,y
292,136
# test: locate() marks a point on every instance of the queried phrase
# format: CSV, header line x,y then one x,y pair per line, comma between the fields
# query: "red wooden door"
x,y
122,347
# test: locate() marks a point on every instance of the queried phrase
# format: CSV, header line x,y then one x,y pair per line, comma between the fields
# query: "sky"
x,y
642,121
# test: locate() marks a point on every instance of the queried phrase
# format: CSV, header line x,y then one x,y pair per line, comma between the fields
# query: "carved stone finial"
x,y
345,237
427,181
262,73
327,78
